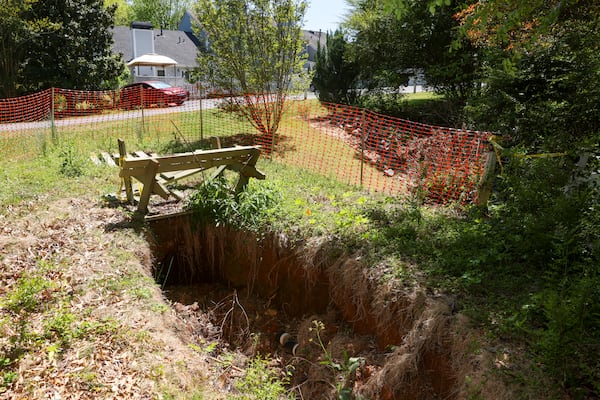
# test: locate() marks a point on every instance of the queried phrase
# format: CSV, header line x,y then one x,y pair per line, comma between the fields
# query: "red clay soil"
x,y
406,340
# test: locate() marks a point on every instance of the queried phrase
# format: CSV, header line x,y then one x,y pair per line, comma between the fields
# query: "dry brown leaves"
x,y
114,345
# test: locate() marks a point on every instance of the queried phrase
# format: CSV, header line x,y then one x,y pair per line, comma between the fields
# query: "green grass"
x,y
508,269
414,98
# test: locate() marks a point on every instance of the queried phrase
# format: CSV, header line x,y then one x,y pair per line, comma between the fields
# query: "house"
x,y
181,45
141,38
312,40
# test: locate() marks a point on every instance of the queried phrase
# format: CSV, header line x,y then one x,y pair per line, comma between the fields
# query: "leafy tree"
x,y
18,30
417,37
123,11
162,13
543,71
255,49
77,54
335,76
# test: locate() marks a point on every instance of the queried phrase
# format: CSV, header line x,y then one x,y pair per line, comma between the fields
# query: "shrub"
x,y
215,202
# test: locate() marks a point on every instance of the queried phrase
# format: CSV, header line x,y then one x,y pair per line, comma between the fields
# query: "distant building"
x,y
141,38
181,45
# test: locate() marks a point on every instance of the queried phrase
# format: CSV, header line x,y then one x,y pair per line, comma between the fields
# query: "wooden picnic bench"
x,y
156,172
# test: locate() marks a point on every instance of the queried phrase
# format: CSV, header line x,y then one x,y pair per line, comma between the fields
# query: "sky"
x,y
325,15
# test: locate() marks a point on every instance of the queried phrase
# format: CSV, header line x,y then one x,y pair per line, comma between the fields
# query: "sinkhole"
x,y
321,313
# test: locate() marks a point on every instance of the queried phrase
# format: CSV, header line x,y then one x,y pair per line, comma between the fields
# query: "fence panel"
x,y
350,144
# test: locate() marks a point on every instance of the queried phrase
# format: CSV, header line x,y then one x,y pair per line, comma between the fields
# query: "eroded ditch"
x,y
379,341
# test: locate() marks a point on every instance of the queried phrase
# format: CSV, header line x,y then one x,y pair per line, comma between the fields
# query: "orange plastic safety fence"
x,y
350,144
34,107
383,153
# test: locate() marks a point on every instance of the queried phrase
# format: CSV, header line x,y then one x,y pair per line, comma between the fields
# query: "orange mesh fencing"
x,y
34,107
382,153
350,144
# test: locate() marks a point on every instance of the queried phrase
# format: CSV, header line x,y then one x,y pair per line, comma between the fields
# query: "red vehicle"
x,y
151,94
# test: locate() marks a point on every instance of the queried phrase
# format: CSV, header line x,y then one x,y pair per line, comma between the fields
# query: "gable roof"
x,y
182,46
178,45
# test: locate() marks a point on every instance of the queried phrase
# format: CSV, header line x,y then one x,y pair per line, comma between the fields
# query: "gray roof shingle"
x,y
183,46
178,45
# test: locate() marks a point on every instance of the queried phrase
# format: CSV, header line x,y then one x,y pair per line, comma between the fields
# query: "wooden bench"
x,y
155,172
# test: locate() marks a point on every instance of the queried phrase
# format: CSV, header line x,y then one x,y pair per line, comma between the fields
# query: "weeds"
x,y
261,382
72,163
344,370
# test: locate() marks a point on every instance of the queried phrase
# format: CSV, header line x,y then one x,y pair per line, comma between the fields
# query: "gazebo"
x,y
152,60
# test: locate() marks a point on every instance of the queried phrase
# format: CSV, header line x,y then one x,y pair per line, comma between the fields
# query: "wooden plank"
x,y
126,179
141,154
249,171
130,166
177,194
133,172
160,189
218,172
484,190
200,156
175,176
148,182
108,159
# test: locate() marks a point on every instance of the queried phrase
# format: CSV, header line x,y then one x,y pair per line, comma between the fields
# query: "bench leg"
x,y
149,179
127,179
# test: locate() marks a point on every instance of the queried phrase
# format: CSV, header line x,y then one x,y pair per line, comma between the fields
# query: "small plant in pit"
x,y
345,370
261,382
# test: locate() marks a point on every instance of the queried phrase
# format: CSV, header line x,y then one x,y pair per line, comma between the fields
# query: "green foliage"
x,y
77,53
162,13
26,297
255,49
61,327
335,76
123,11
72,163
568,342
389,48
546,99
215,202
18,29
261,382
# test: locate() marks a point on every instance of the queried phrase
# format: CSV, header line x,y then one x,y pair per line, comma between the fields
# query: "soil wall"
x,y
412,333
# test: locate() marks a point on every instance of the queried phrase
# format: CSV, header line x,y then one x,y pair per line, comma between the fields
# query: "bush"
x,y
549,226
215,202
